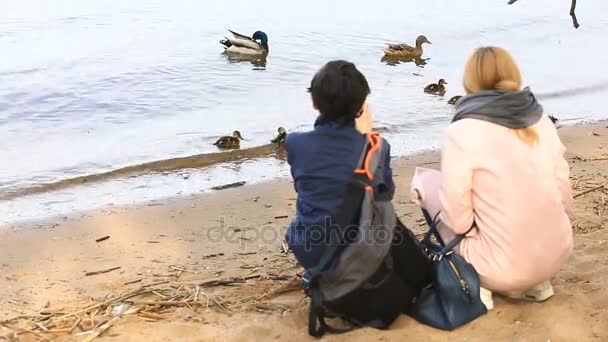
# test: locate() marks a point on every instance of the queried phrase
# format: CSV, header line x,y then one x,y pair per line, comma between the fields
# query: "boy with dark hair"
x,y
344,182
322,160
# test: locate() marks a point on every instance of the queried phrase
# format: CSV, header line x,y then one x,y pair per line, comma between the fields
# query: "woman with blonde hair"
x,y
504,180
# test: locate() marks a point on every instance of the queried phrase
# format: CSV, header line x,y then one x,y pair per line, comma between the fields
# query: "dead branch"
x,y
107,302
102,271
590,190
572,12
95,320
223,282
573,15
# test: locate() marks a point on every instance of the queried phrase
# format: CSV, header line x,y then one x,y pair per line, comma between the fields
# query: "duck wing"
x,y
220,141
431,88
240,36
279,139
400,47
243,43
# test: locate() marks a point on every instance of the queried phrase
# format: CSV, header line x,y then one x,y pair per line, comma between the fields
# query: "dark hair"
x,y
338,91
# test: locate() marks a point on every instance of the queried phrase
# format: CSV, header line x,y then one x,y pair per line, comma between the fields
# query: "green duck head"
x,y
237,135
421,40
262,37
282,130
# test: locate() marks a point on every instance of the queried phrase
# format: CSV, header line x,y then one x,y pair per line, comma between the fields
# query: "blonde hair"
x,y
493,68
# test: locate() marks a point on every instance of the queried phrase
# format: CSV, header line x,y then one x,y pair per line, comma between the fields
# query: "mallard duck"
x,y
230,142
454,99
280,139
256,45
436,88
406,51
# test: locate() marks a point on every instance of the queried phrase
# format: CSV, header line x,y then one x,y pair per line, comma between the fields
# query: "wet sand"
x,y
160,166
238,233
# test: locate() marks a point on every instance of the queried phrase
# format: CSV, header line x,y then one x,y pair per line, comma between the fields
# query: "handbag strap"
x,y
434,232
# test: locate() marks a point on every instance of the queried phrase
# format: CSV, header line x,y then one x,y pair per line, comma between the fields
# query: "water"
x,y
87,87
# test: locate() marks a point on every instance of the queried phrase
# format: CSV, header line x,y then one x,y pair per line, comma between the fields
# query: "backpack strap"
x,y
371,156
317,326
363,175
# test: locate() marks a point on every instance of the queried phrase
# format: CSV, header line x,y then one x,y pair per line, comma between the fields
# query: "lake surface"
x,y
87,87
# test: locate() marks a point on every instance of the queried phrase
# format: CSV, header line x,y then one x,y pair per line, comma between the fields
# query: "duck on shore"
x,y
256,45
405,50
436,88
454,99
280,138
227,142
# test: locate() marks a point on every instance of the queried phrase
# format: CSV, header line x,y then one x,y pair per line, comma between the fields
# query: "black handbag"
x,y
453,298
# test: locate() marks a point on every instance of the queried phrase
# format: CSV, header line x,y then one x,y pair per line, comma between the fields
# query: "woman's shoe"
x,y
486,298
538,293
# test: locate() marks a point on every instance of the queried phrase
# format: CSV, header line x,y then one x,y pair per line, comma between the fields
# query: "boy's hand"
x,y
365,121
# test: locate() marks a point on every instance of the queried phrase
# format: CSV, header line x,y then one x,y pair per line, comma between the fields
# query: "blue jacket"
x,y
322,162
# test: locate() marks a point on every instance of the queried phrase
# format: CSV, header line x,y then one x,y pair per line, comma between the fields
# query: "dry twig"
x,y
98,318
103,328
102,271
589,191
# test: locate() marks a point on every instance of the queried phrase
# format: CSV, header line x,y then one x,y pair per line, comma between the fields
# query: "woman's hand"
x,y
365,121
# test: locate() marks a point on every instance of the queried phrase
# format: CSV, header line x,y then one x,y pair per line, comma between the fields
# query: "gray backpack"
x,y
370,276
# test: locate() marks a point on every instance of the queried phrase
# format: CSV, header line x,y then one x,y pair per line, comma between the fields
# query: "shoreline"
x,y
182,163
237,234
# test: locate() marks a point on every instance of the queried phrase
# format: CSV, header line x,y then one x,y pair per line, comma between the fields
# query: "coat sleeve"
x,y
455,193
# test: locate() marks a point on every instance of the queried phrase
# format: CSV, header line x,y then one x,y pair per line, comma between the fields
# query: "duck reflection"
x,y
258,62
391,60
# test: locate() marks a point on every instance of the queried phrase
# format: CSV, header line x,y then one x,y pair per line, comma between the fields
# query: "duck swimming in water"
x,y
256,45
454,99
406,51
436,88
280,138
233,141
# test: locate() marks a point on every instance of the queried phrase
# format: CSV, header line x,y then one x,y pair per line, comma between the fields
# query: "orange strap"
x,y
374,141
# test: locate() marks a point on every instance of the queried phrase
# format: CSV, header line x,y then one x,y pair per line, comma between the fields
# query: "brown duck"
x,y
405,50
233,141
280,138
454,99
436,88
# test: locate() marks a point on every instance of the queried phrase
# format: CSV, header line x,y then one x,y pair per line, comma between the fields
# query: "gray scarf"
x,y
509,109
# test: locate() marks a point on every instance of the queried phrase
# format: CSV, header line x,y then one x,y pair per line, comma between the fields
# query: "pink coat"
x,y
518,197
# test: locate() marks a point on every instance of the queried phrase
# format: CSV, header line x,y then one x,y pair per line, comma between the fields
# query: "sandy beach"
x,y
212,268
